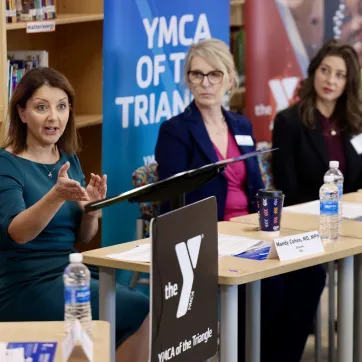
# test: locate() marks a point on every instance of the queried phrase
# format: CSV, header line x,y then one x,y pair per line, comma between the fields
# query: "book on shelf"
x,y
29,10
10,11
20,62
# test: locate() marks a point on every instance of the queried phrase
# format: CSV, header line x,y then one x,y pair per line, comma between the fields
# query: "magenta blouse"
x,y
235,173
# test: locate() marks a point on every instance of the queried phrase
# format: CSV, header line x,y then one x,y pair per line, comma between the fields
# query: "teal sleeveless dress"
x,y
31,275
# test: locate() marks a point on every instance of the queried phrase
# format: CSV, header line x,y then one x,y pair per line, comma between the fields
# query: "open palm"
x,y
97,188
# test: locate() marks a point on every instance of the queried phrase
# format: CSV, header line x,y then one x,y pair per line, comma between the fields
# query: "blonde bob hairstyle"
x,y
217,54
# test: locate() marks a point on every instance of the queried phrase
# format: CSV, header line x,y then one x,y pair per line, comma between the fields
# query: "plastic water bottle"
x,y
77,294
338,179
329,218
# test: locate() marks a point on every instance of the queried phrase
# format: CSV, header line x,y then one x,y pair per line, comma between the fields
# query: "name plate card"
x,y
78,342
296,246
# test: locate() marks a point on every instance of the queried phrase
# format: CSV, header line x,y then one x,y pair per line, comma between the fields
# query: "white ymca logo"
x,y
283,91
187,257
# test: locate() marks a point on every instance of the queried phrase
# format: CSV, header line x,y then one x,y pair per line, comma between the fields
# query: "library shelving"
x,y
237,102
236,12
75,48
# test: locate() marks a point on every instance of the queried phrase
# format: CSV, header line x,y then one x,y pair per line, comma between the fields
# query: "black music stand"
x,y
173,188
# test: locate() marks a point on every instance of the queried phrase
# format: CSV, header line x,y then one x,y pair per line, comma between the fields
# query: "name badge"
x,y
242,140
357,143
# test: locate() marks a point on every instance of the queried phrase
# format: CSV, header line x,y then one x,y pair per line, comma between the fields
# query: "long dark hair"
x,y
29,83
348,109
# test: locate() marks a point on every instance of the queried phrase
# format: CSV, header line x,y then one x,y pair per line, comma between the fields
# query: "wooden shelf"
x,y
237,101
237,2
86,120
240,91
236,13
63,19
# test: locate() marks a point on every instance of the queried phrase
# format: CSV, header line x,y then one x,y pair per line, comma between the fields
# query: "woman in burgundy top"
x,y
320,126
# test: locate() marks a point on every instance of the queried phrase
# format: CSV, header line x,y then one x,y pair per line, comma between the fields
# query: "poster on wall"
x,y
281,38
145,44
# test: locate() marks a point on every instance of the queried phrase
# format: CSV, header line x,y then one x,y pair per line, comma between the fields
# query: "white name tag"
x,y
242,140
296,246
357,143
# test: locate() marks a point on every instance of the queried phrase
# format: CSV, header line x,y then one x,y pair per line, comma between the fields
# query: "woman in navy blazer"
x,y
204,133
184,144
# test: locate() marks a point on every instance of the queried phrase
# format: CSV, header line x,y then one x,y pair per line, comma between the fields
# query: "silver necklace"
x,y
50,174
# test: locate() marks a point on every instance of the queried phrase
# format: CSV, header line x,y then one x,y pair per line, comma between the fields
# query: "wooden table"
x,y
232,272
54,332
308,222
351,229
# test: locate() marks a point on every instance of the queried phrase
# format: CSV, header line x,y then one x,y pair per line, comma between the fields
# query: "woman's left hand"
x,y
97,188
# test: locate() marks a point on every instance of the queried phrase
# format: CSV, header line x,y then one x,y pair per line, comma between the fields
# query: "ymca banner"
x,y
281,38
145,44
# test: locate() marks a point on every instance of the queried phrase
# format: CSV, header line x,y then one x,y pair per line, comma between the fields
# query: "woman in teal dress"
x,y
42,198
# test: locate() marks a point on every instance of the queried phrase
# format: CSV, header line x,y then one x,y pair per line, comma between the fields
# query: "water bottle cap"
x,y
329,179
333,164
76,258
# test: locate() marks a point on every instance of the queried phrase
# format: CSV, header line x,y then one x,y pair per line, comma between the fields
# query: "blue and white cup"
x,y
270,205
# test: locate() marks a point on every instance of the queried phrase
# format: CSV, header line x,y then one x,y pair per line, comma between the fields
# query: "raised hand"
x,y
97,188
67,189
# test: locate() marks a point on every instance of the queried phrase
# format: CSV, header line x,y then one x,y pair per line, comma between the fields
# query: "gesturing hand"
x,y
67,189
97,188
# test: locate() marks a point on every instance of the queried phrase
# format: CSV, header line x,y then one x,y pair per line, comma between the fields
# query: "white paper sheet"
x,y
2,351
311,208
227,245
11,355
350,210
141,253
235,245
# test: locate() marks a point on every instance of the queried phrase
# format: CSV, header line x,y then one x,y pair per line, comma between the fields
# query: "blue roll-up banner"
x,y
145,44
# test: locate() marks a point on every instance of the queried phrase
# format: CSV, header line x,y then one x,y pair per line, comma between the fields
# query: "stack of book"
x,y
29,10
10,11
20,62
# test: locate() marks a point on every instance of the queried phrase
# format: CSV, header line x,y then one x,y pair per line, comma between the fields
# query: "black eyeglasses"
x,y
197,77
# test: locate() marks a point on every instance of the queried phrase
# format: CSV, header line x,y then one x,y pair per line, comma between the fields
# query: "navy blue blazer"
x,y
183,144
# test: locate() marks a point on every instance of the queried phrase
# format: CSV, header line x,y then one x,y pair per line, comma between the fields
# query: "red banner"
x,y
281,37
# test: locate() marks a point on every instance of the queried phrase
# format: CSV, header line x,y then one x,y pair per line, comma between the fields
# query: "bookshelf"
x,y
236,12
237,101
62,19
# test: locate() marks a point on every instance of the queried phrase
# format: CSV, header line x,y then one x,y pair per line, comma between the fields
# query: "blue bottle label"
x,y
78,295
340,191
329,207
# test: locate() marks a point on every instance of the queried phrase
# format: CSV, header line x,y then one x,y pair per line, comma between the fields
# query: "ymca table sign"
x,y
184,284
